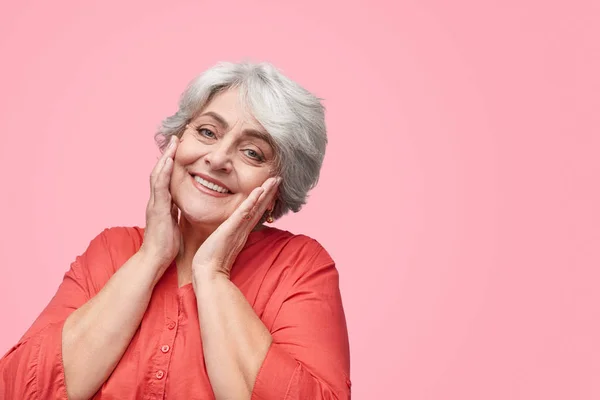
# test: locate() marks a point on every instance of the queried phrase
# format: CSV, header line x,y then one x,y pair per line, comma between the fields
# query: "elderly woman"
x,y
206,301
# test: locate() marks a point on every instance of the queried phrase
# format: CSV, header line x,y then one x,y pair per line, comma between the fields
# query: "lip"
x,y
207,190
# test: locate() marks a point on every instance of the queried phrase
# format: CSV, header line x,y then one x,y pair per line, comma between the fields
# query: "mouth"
x,y
211,184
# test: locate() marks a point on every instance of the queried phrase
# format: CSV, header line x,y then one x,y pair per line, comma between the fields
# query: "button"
x,y
171,325
160,374
165,348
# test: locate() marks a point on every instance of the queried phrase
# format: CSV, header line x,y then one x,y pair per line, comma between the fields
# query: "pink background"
x,y
459,195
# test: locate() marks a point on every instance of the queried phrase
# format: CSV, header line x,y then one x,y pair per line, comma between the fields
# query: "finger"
x,y
169,152
160,163
245,211
267,196
248,212
161,186
172,147
175,212
253,216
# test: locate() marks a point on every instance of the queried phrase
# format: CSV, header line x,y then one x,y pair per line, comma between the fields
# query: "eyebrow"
x,y
247,132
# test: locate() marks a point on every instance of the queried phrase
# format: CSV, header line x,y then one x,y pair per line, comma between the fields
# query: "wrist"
x,y
151,259
207,275
152,264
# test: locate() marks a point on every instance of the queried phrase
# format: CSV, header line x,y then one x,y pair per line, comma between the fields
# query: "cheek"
x,y
252,178
184,155
179,173
184,158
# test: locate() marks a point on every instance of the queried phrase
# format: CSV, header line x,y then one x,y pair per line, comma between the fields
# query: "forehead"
x,y
229,106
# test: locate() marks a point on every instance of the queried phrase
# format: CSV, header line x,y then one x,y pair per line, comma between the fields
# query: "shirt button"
x,y
165,348
160,374
171,325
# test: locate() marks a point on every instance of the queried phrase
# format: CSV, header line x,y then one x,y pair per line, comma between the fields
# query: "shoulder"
x,y
287,245
123,238
301,255
117,240
111,248
309,249
296,267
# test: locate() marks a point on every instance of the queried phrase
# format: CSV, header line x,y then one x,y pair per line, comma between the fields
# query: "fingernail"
x,y
172,141
278,180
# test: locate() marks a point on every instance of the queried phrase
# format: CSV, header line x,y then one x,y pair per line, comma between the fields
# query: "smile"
x,y
210,185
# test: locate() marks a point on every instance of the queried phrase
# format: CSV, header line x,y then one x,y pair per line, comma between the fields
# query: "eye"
x,y
206,133
254,155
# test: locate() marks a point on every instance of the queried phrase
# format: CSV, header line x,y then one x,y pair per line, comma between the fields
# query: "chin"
x,y
199,211
201,216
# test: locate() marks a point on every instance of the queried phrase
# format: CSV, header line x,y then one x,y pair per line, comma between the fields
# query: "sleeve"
x,y
309,357
33,368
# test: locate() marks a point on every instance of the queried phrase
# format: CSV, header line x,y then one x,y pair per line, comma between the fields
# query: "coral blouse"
x,y
290,281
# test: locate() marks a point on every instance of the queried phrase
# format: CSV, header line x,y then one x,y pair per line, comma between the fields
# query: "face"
x,y
222,156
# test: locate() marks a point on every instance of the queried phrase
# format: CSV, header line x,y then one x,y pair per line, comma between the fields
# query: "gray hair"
x,y
291,115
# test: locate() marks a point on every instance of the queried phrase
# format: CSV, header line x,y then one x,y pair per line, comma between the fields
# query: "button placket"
x,y
162,358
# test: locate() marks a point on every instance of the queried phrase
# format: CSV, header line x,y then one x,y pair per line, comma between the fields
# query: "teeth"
x,y
210,185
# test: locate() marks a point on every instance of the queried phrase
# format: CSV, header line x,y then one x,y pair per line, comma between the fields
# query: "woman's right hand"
x,y
162,236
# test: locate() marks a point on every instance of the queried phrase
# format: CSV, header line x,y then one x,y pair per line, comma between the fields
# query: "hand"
x,y
162,237
217,254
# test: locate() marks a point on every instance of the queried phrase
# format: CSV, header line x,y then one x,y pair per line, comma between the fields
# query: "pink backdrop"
x,y
459,195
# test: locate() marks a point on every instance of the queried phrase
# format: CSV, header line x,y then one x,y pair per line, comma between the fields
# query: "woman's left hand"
x,y
216,255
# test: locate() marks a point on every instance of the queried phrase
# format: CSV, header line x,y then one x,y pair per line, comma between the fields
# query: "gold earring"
x,y
270,219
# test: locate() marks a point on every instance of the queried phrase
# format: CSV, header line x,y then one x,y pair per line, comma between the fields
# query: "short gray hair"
x,y
291,115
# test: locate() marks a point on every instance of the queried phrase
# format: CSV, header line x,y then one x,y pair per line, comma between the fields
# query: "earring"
x,y
270,219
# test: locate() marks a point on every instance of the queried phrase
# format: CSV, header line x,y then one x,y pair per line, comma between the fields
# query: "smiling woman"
x,y
206,301
237,158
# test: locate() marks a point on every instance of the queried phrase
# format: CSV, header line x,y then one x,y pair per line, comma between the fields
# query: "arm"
x,y
79,338
96,335
306,354
234,340
310,355
76,342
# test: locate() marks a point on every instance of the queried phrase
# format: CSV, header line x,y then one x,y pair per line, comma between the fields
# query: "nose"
x,y
219,158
